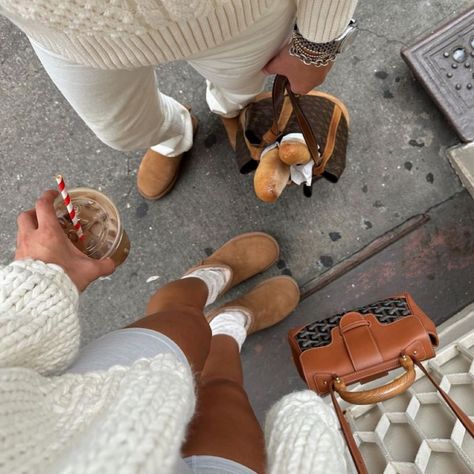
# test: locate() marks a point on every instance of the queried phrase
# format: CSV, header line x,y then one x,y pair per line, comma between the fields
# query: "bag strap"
x,y
463,418
281,84
347,432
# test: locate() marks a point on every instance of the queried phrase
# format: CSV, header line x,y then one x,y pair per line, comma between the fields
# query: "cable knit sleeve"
x,y
323,20
39,326
302,436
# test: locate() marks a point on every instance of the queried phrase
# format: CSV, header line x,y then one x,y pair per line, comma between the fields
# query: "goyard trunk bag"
x,y
362,345
321,118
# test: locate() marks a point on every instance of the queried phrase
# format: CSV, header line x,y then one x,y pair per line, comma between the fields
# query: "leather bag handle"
x,y
281,84
384,392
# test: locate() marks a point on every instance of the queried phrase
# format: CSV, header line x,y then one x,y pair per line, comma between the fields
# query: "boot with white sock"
x,y
268,303
233,322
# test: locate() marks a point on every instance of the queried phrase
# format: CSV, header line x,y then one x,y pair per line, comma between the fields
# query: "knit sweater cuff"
x,y
39,325
302,436
321,21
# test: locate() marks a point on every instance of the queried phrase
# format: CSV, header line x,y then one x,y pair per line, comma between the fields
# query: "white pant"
x,y
125,109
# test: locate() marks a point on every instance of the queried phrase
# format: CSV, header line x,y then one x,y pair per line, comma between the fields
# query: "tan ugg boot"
x,y
231,126
158,174
246,255
267,304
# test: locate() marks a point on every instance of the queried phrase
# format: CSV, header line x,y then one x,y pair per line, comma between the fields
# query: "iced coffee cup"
x,y
104,235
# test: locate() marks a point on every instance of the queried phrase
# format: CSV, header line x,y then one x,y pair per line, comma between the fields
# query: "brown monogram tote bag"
x,y
321,118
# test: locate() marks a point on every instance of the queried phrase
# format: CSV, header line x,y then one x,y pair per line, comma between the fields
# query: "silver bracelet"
x,y
314,54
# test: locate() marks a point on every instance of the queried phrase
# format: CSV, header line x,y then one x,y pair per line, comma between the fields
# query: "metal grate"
x,y
416,432
443,62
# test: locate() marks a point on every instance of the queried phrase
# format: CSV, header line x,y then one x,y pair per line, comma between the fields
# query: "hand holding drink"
x,y
41,237
92,223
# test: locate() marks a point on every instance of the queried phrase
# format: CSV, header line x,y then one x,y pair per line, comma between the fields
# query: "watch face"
x,y
348,39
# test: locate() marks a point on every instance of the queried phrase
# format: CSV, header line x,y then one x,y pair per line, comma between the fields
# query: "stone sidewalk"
x,y
396,166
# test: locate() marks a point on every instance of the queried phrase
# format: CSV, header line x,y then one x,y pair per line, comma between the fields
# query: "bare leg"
x,y
224,424
176,310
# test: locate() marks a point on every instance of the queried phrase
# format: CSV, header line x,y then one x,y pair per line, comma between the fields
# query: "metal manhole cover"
x,y
443,62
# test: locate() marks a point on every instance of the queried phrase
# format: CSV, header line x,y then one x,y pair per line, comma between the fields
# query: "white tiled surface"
x,y
416,432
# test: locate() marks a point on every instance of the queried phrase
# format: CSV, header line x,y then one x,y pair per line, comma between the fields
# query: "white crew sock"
x,y
216,278
231,323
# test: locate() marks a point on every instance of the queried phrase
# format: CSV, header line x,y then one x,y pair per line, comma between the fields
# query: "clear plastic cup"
x,y
100,221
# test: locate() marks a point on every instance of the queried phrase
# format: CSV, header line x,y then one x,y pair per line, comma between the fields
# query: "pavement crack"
x,y
450,198
434,206
384,37
308,288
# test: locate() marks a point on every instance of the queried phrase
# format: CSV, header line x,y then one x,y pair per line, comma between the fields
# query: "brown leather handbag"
x,y
362,345
321,118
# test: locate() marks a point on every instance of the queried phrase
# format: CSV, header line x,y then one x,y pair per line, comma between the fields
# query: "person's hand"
x,y
302,77
41,237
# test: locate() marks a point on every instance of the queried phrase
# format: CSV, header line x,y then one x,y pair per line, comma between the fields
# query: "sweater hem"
x,y
172,42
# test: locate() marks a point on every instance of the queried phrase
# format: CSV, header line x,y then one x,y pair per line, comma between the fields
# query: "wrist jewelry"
x,y
315,54
321,54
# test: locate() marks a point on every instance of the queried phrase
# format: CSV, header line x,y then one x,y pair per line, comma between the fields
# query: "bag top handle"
x,y
281,84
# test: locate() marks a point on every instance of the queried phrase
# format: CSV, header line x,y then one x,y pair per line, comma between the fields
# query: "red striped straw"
x,y
70,208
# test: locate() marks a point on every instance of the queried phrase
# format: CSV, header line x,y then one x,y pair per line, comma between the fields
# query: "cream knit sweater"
x,y
126,420
111,34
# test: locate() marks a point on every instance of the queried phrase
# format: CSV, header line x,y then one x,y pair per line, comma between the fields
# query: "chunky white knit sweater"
x,y
110,34
302,436
127,420
124,420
